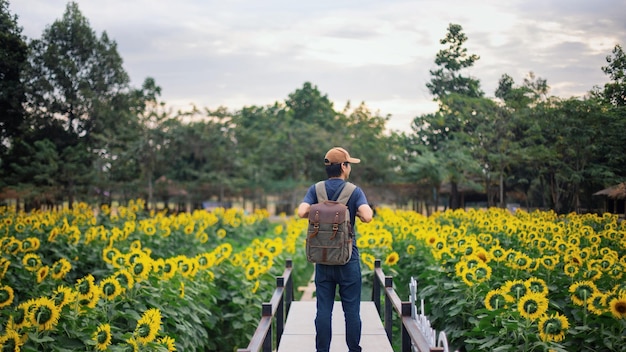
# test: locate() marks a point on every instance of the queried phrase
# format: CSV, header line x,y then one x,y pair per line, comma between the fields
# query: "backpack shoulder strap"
x,y
320,190
346,193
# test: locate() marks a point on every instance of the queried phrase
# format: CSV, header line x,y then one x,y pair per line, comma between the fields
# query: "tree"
x,y
615,90
76,80
450,133
448,78
14,54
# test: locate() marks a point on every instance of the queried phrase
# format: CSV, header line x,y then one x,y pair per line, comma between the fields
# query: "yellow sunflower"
x,y
11,341
109,253
60,268
533,305
111,288
537,285
102,337
42,273
496,299
4,266
31,262
168,342
21,317
125,278
63,296
44,314
515,288
141,267
618,306
553,327
392,258
595,304
85,286
582,291
148,326
30,244
368,259
6,296
169,268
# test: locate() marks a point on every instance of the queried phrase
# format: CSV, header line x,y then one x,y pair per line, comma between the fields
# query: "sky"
x,y
240,53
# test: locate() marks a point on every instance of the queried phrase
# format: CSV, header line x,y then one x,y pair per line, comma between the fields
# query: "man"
x,y
348,277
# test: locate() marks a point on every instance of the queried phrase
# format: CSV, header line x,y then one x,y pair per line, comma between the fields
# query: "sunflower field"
x,y
125,279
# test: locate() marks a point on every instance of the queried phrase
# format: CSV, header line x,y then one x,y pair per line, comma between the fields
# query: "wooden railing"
x,y
277,308
411,334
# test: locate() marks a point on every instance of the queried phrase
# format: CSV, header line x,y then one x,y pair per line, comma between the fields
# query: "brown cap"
x,y
339,155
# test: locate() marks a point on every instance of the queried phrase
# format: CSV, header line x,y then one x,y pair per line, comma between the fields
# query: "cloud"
x,y
243,52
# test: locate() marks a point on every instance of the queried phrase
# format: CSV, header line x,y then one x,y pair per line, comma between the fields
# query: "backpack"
x,y
329,234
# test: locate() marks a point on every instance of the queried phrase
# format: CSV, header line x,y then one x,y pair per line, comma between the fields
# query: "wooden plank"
x,y
299,333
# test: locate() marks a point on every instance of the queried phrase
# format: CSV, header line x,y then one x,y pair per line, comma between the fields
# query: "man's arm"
x,y
365,213
303,210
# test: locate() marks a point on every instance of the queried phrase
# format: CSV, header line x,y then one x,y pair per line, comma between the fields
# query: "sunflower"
x,y
515,288
148,326
537,285
11,341
618,306
368,259
133,344
595,304
109,253
60,268
497,253
85,286
571,269
532,305
141,268
181,290
496,299
221,233
4,266
252,271
582,291
169,268
168,342
42,273
410,249
550,261
30,244
6,296
483,272
553,327
205,260
63,296
44,314
31,262
202,237
125,278
102,337
392,258
21,318
111,288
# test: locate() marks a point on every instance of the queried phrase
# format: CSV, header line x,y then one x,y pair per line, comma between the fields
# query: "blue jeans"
x,y
348,278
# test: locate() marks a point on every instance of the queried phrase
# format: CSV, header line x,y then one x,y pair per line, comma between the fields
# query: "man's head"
x,y
337,161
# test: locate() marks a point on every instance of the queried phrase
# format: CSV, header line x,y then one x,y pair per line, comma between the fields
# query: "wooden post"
x,y
388,309
376,287
267,313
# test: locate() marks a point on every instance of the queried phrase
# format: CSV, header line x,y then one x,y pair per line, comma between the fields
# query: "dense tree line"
x,y
73,128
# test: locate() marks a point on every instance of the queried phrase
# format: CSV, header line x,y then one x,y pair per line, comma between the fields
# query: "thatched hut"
x,y
615,199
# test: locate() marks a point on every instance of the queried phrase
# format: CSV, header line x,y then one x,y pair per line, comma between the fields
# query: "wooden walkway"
x,y
299,333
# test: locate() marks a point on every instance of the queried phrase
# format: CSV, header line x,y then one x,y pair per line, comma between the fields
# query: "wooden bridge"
x,y
288,326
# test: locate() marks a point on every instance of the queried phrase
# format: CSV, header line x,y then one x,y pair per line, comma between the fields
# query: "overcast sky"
x,y
256,52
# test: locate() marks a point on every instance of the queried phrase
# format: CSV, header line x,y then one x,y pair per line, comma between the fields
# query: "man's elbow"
x,y
303,210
